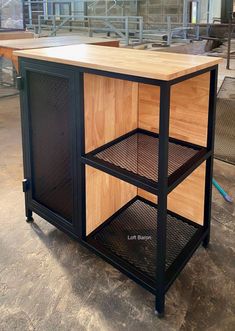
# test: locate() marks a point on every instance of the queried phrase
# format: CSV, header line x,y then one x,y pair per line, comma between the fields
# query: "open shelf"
x,y
134,158
129,241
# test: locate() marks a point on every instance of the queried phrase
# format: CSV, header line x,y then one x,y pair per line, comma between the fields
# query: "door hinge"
x,y
25,185
19,82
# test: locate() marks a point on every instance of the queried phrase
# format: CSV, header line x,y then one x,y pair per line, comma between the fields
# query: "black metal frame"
x,y
165,184
210,147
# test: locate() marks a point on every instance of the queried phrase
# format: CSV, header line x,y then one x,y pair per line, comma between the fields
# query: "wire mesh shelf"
x,y
131,234
136,155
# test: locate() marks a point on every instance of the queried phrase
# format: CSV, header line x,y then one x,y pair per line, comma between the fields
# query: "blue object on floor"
x,y
221,191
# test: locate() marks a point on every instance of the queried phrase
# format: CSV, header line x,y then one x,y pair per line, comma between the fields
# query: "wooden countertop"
x,y
20,44
7,35
149,64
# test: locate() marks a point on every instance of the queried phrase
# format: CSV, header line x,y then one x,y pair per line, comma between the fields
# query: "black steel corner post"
x,y
162,197
80,138
21,85
78,150
210,147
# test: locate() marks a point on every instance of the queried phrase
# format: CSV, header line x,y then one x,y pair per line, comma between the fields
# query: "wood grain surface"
x,y
105,194
8,35
22,44
187,199
156,65
188,109
7,47
111,109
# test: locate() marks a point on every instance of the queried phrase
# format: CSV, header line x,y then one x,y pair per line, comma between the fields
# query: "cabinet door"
x,y
50,117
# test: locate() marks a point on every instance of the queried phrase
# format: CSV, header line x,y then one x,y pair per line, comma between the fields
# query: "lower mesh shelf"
x,y
131,235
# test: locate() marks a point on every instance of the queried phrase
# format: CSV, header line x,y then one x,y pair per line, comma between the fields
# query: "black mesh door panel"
x,y
50,145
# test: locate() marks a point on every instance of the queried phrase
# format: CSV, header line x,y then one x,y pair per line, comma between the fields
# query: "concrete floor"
x,y
48,282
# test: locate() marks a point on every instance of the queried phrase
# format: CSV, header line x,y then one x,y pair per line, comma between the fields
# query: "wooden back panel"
x,y
111,109
105,194
188,109
187,199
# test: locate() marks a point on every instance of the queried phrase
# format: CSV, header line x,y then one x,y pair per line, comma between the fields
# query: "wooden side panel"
x,y
111,109
187,199
8,54
188,113
111,43
149,102
105,194
16,35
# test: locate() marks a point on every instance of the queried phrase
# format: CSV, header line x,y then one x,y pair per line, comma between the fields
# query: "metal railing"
x,y
120,25
86,7
53,20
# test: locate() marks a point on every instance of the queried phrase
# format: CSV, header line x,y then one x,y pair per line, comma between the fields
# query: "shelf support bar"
x,y
162,197
210,147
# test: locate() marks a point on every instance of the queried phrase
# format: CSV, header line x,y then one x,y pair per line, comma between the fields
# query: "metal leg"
x,y
206,241
25,145
208,196
209,162
14,75
28,212
1,70
29,215
162,197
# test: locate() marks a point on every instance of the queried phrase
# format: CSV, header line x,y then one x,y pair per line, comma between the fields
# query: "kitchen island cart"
x,y
118,153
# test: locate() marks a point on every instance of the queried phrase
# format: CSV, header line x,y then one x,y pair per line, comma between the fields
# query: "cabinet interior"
x,y
114,107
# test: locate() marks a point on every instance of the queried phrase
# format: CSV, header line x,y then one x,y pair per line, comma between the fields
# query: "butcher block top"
x,y
20,44
148,64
